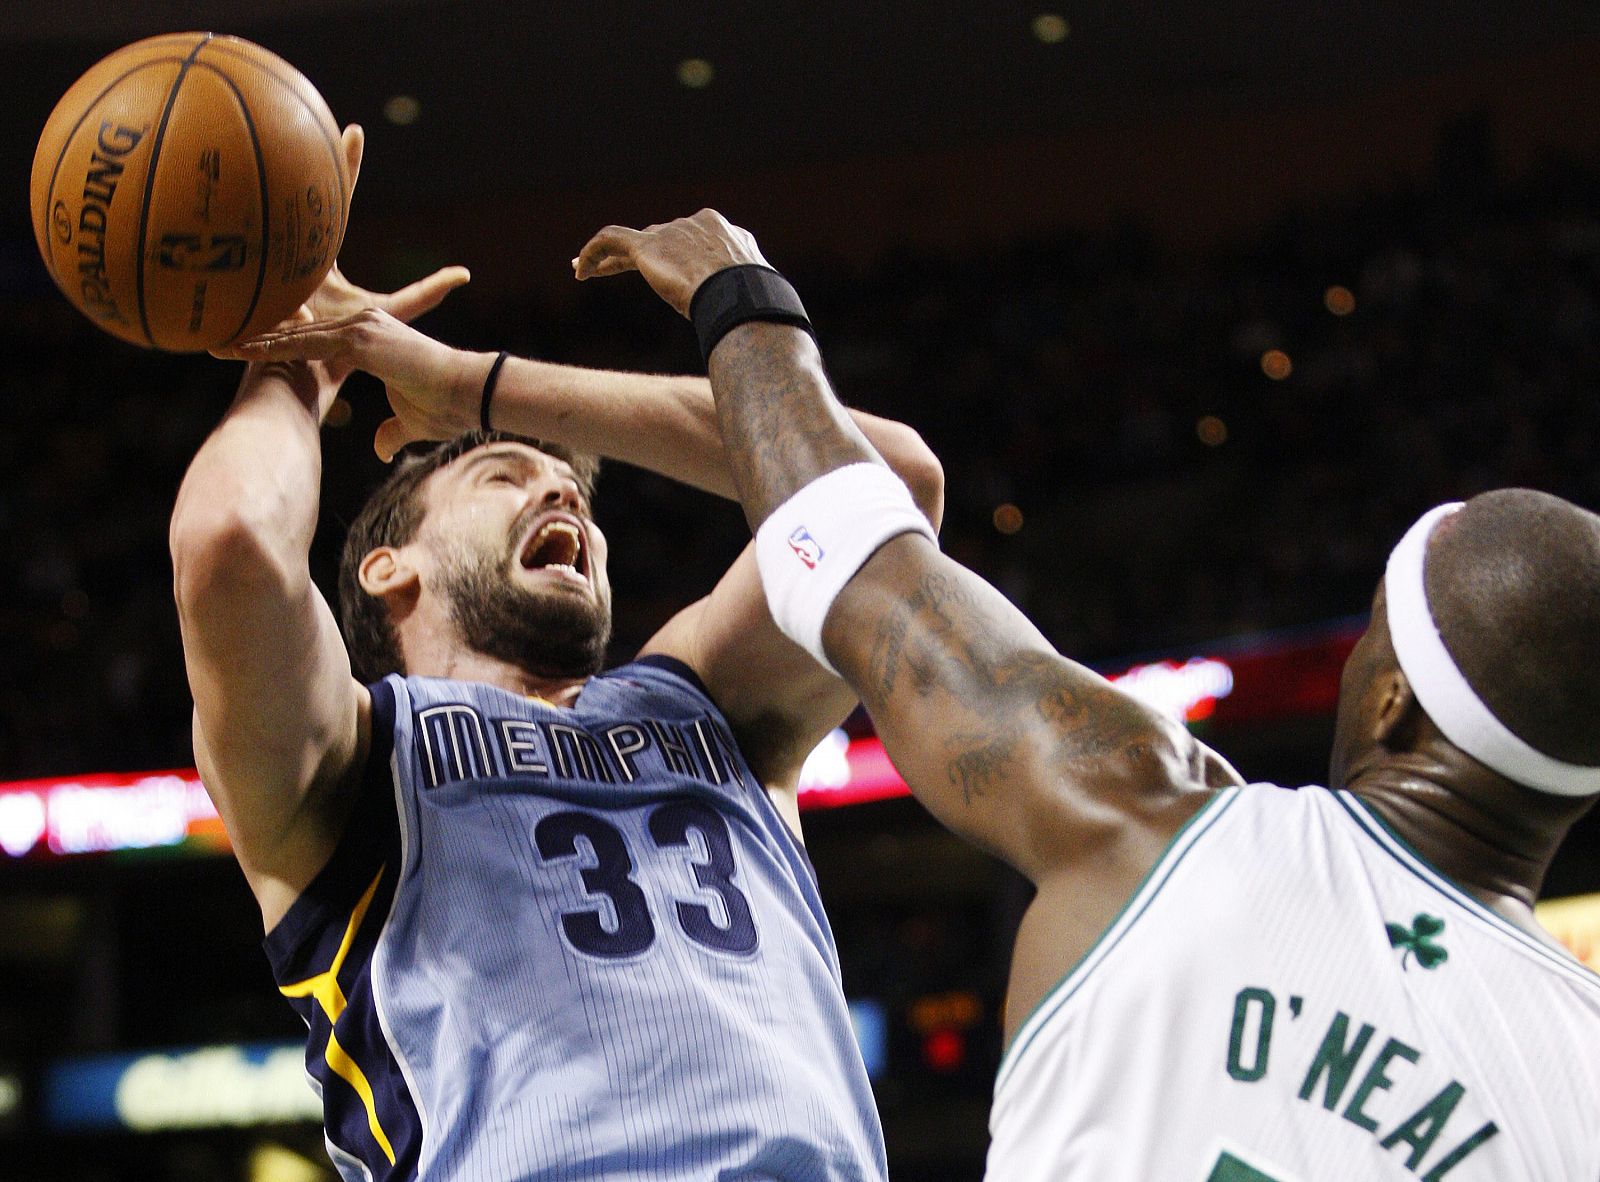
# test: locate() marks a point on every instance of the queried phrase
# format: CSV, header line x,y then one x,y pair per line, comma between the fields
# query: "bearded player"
x,y
542,921
1217,981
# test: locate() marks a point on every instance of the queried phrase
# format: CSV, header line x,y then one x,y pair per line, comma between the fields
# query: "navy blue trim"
x,y
306,942
675,667
381,750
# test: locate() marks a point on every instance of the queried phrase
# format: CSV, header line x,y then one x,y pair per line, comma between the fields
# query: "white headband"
x,y
1444,693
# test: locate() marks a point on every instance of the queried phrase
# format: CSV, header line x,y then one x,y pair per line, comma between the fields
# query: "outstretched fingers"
x,y
425,294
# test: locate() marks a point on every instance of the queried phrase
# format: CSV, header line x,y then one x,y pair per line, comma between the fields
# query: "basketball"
x,y
189,190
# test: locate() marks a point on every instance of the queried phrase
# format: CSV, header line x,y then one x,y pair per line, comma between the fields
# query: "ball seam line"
x,y
150,184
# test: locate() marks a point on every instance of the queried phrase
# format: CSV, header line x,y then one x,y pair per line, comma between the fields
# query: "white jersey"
x,y
1293,995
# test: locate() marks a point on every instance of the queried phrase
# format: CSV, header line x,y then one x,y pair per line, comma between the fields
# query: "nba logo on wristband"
x,y
857,508
805,547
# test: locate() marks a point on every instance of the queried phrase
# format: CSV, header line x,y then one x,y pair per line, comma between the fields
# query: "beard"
x,y
550,634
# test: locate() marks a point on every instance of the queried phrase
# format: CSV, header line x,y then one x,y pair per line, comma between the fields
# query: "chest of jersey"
x,y
604,954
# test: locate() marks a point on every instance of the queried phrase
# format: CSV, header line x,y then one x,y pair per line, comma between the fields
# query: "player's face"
x,y
518,560
1372,654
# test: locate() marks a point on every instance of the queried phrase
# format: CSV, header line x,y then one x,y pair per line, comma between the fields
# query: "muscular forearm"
x,y
659,422
783,425
669,424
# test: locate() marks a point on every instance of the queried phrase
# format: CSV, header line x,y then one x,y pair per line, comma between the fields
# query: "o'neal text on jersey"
x,y
1334,1066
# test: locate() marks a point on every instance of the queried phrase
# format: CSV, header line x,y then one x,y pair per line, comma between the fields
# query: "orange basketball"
x,y
189,190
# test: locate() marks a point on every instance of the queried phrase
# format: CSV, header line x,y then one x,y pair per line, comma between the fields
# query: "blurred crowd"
x,y
1145,451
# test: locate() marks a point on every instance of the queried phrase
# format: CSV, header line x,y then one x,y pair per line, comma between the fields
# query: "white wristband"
x,y
814,542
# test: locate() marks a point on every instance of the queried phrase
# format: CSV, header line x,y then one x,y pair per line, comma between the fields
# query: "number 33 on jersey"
x,y
575,935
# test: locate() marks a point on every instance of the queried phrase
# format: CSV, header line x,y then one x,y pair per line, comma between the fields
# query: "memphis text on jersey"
x,y
454,741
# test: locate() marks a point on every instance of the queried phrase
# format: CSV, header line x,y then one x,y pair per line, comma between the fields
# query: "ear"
x,y
1395,713
385,574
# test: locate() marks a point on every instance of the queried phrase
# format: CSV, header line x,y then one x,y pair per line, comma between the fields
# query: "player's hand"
x,y
337,299
675,258
433,390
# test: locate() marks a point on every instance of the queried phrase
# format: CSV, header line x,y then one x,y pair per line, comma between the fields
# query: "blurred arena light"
x,y
108,811
1275,363
1575,922
1212,431
275,1163
696,73
1339,300
871,1025
944,1050
224,1086
10,1096
1050,28
402,110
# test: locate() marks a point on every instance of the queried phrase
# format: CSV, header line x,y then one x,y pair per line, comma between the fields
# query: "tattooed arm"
x,y
1028,754
1031,755
1038,759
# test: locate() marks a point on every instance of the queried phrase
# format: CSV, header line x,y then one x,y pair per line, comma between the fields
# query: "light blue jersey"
x,y
573,943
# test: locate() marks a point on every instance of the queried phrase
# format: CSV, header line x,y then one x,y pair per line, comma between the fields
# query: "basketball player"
x,y
542,921
1214,981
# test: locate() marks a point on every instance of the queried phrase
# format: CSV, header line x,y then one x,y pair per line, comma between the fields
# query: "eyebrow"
x,y
483,455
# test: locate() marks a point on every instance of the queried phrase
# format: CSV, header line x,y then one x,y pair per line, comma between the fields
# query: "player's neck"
x,y
1473,834
463,664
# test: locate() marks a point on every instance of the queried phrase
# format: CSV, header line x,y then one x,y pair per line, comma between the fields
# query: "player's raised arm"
x,y
277,715
276,711
778,699
661,422
1026,752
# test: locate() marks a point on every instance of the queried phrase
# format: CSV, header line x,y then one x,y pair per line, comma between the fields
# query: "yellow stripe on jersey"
x,y
324,987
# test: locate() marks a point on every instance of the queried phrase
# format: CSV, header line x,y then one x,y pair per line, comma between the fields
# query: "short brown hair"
x,y
391,517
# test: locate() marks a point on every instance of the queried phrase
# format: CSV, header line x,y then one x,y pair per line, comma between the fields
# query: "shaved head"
x,y
1513,584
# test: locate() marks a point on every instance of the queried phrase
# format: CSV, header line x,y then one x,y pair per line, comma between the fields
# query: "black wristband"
x,y
735,295
488,391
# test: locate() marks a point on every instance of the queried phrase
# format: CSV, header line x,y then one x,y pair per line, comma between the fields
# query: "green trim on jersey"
x,y
1370,822
1143,895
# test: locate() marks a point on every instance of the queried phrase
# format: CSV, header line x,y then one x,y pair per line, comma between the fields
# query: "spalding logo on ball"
x,y
189,190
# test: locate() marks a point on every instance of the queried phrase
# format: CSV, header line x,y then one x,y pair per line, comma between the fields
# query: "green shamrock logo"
x,y
1417,940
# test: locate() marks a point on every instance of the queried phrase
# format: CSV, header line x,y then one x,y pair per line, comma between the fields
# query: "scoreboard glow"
x,y
1260,681
109,811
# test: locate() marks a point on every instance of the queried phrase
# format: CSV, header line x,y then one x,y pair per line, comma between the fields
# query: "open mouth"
x,y
557,546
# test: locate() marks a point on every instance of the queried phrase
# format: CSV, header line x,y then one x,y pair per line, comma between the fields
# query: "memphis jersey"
x,y
573,943
1293,995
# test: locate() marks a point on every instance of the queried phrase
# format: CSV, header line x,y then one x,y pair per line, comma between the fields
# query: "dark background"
x,y
1059,261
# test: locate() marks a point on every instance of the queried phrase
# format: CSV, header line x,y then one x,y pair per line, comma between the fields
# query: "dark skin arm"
x,y
1026,753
